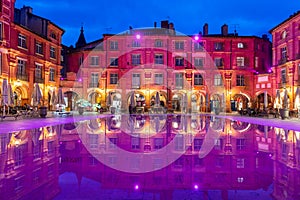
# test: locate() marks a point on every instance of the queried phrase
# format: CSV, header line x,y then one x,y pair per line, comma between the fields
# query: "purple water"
x,y
150,157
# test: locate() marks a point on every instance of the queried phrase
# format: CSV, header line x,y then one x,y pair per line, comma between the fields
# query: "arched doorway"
x,y
176,102
19,97
198,102
239,102
259,102
162,98
95,99
72,98
215,102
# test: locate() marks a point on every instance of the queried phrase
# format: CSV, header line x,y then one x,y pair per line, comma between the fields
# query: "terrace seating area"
x,y
269,113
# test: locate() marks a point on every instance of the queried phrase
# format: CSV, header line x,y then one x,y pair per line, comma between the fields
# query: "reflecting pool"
x,y
151,157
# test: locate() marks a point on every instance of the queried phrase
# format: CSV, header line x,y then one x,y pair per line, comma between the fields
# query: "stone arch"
x,y
239,102
163,98
72,98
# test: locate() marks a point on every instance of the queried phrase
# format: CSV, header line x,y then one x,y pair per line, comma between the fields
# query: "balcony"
x,y
94,85
38,80
22,76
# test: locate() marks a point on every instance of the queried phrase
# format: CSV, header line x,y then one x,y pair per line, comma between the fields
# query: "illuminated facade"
x,y
286,56
160,59
30,53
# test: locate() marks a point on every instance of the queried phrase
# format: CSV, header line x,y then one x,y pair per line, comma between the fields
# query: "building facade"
x,y
210,70
30,53
286,57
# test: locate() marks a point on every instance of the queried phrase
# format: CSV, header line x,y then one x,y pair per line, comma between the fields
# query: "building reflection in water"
x,y
187,157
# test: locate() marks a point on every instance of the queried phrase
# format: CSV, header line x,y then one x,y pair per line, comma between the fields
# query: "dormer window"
x,y
53,35
283,35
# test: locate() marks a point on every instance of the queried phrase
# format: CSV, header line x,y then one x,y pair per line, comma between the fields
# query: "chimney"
x,y
171,26
24,15
155,24
224,30
205,29
265,37
164,24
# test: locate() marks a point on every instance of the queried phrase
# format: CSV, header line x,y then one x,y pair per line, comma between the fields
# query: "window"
x,y
219,62
136,80
199,46
199,62
114,62
240,144
52,74
94,60
51,148
52,52
53,35
240,80
179,145
39,48
113,143
218,144
198,79
159,59
158,143
136,59
283,76
218,80
93,140
179,80
113,45
80,60
240,163
158,43
113,78
179,61
136,43
1,31
240,61
21,67
179,45
197,144
158,79
283,53
22,41
240,45
135,142
94,80
38,71
256,62
219,46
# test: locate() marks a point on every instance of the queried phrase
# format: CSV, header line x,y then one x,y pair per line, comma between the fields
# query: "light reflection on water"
x,y
157,157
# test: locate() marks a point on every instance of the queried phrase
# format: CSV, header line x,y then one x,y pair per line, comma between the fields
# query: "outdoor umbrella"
x,y
297,98
184,102
108,99
53,98
10,95
60,98
278,101
132,100
265,99
285,99
4,94
36,95
157,99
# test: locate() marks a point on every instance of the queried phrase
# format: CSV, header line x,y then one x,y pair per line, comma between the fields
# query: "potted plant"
x,y
43,111
284,111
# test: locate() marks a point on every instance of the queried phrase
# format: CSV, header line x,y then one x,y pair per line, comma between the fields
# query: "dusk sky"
x,y
253,17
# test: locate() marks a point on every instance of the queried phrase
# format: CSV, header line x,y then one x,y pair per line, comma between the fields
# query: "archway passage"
x,y
176,102
239,102
72,98
198,102
259,102
95,100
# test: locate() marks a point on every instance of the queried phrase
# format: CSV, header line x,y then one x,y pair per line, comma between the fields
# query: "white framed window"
x,y
136,59
199,46
21,67
283,76
179,61
136,43
93,140
94,61
283,53
179,80
114,45
38,70
218,80
135,142
114,62
219,62
52,74
158,79
179,45
113,78
39,48
240,61
94,80
219,46
136,80
240,144
240,80
240,163
52,52
199,62
22,41
158,43
198,79
159,59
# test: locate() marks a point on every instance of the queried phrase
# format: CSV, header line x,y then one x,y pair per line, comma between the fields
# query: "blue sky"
x,y
253,17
